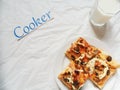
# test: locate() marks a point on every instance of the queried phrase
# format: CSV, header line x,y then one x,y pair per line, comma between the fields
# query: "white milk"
x,y
104,10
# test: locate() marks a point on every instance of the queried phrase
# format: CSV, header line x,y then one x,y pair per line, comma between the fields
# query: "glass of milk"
x,y
103,10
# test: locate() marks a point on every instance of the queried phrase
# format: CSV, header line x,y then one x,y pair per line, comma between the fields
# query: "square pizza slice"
x,y
73,76
101,68
76,49
82,50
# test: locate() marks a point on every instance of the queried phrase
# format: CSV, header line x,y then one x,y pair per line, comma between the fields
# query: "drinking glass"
x,y
103,10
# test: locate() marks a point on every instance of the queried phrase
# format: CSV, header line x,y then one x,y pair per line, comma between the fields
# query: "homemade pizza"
x,y
82,50
73,76
101,68
87,62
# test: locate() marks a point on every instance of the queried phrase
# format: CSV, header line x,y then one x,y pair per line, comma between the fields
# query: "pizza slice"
x,y
73,76
95,62
101,68
80,49
76,49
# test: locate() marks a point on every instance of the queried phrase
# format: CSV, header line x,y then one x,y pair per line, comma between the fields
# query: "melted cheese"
x,y
73,87
70,80
91,65
81,56
89,55
82,44
80,70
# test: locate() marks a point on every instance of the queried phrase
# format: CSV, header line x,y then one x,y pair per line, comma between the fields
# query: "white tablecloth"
x,y
28,64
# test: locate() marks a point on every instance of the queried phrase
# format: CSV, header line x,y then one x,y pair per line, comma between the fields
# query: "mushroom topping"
x,y
109,58
72,57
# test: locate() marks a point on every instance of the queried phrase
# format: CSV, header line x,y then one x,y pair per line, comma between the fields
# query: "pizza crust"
x,y
60,77
102,82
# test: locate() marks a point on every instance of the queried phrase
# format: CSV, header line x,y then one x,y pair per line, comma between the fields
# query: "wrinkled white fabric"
x,y
29,64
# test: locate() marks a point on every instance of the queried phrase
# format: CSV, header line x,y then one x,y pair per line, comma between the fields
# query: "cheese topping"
x,y
82,44
73,87
91,52
81,57
89,55
91,65
70,80
80,70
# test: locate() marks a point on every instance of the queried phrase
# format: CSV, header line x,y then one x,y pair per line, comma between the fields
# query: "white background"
x,y
29,64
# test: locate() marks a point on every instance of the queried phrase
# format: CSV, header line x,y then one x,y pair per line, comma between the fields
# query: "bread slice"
x,y
101,82
76,49
82,50
73,77
107,67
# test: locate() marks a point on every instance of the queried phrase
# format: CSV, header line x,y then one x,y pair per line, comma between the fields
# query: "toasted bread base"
x,y
83,43
102,82
60,77
81,77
